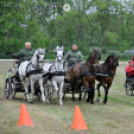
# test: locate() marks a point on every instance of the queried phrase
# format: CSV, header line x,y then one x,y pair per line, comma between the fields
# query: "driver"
x,y
73,56
24,54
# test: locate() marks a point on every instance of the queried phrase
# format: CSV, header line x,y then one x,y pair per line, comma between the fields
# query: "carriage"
x,y
129,82
14,85
129,86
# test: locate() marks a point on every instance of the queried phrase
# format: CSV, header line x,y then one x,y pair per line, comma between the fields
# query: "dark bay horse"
x,y
85,74
109,69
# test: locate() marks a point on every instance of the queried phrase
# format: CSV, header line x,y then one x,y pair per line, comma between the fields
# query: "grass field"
x,y
116,117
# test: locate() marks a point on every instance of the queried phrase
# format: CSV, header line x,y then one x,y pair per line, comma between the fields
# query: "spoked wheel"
x,y
129,88
9,92
84,95
7,89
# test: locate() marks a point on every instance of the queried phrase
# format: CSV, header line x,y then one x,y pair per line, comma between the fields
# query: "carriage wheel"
x,y
9,92
129,88
7,88
84,95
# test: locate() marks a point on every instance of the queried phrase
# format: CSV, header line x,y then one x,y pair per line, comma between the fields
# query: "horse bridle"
x,y
37,66
94,60
40,53
59,55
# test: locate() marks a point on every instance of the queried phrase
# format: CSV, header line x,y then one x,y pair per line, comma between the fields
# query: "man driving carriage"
x,y
24,54
73,56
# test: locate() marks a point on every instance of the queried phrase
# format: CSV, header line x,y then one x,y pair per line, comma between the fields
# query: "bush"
x,y
50,55
125,57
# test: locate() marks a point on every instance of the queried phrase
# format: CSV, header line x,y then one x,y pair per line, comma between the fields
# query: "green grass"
x,y
116,117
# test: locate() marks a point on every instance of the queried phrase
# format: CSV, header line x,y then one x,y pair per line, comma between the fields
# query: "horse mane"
x,y
108,58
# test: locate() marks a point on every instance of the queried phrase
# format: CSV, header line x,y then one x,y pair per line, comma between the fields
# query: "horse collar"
x,y
35,66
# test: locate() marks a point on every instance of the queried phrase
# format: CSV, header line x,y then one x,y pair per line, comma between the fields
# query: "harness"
x,y
105,73
54,73
85,73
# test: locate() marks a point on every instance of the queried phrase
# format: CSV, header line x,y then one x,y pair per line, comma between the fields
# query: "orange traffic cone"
x,y
24,117
78,122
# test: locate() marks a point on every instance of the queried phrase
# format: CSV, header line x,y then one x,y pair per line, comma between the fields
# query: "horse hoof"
x,y
43,101
91,102
61,104
31,102
47,101
104,102
87,101
79,100
97,100
73,100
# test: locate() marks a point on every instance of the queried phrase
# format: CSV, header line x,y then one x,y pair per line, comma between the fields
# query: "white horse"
x,y
57,72
35,67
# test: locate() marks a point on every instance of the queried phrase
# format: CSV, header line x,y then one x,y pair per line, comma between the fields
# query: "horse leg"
x,y
46,93
91,92
26,91
98,90
42,89
88,90
61,92
55,87
64,93
73,88
106,93
90,95
32,90
73,92
80,94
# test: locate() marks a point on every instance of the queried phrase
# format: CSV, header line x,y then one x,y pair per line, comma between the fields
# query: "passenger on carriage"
x,y
130,68
73,56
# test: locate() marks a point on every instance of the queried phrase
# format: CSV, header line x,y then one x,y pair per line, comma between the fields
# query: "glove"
x,y
8,53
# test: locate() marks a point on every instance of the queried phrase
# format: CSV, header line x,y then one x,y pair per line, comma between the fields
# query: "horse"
x,y
31,72
56,74
84,73
108,68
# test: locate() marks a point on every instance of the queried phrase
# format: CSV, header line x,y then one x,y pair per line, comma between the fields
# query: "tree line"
x,y
101,24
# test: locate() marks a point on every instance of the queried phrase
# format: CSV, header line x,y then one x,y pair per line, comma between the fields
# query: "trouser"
x,y
70,64
17,75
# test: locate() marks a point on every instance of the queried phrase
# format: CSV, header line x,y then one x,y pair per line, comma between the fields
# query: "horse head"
x,y
38,57
94,58
59,54
112,61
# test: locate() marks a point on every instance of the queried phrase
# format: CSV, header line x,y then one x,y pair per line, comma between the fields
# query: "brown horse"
x,y
83,74
108,71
